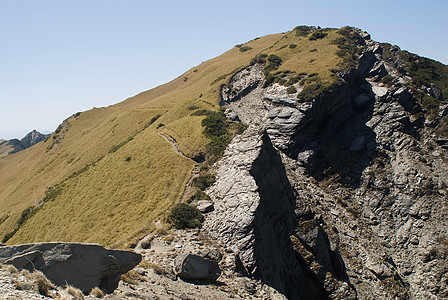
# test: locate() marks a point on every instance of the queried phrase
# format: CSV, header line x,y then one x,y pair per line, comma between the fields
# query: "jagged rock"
x,y
435,91
84,266
205,206
371,202
194,267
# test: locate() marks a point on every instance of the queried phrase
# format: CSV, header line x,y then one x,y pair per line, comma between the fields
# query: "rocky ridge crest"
x,y
345,193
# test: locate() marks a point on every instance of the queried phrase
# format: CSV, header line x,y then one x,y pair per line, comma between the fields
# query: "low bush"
x,y
387,80
203,181
184,216
302,30
291,90
319,34
260,58
214,124
292,46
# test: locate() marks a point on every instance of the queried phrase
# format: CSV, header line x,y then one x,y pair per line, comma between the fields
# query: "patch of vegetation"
x,y
282,47
184,216
274,62
318,34
199,195
160,125
431,105
193,107
127,158
116,147
302,30
387,80
291,90
292,46
243,48
347,47
313,87
260,58
204,181
153,119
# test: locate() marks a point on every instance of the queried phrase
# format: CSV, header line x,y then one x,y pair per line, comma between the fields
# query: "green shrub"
x,y
244,48
269,80
302,30
203,181
116,147
319,34
387,80
199,195
153,119
291,90
274,60
260,58
214,124
128,158
184,216
282,47
292,46
347,48
216,147
310,91
160,125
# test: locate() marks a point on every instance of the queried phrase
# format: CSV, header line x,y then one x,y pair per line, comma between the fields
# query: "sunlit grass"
x,y
127,175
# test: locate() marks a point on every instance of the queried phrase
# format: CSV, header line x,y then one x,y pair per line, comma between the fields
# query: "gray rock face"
x,y
254,215
242,83
205,206
353,203
194,267
84,266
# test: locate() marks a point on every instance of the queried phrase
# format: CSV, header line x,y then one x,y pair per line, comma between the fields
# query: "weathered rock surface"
x,y
194,267
345,194
84,266
205,206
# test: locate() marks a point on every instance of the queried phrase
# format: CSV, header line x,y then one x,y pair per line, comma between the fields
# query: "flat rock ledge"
x,y
81,265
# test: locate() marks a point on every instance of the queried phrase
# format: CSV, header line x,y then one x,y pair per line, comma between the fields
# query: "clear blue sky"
x,y
60,57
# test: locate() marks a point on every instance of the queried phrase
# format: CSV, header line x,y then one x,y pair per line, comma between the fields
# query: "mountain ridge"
x,y
357,143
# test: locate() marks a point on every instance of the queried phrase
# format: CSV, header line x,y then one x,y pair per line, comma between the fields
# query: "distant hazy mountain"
x,y
16,145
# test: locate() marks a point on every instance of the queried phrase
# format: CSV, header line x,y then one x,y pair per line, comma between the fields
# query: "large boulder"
x,y
195,267
84,266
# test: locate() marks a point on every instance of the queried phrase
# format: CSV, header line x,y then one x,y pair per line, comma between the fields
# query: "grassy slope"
x,y
112,200
5,148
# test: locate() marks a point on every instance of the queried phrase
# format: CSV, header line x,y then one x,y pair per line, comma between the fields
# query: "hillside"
x,y
332,185
93,187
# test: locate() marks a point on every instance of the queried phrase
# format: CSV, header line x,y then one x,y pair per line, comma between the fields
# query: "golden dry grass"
x,y
119,194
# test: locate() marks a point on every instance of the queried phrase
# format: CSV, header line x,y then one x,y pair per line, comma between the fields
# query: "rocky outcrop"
x,y
353,204
84,266
194,267
254,216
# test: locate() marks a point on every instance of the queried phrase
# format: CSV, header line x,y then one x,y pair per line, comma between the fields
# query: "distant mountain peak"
x,y
15,145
